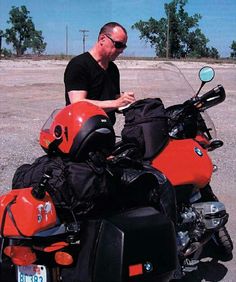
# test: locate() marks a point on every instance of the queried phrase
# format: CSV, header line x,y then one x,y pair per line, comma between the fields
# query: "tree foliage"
x,y
22,33
177,35
233,48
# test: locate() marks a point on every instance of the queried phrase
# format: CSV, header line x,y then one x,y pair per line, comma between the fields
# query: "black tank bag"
x,y
146,125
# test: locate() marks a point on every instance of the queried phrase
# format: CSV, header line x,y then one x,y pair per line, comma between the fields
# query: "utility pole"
x,y
168,35
84,36
66,40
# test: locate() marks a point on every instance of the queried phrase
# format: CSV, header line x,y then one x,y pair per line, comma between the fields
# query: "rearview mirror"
x,y
206,74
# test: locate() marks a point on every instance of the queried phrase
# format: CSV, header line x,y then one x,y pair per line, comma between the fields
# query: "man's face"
x,y
115,43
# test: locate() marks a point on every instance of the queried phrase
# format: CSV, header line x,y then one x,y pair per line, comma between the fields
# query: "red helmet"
x,y
76,130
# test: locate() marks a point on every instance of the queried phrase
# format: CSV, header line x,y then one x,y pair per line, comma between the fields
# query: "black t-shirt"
x,y
84,73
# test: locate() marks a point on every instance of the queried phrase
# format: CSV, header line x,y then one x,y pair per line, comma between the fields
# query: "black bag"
x,y
96,187
79,187
146,125
92,187
29,175
142,185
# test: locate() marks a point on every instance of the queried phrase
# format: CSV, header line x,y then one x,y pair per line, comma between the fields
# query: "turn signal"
x,y
20,255
56,246
63,258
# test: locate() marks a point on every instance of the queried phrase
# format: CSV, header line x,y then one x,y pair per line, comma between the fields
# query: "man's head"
x,y
112,38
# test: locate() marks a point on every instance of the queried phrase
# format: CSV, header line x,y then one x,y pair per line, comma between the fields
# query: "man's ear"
x,y
101,37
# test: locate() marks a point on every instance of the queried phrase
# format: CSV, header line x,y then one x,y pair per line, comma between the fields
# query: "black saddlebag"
x,y
136,245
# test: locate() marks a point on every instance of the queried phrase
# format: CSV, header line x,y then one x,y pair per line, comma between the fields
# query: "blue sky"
x,y
218,21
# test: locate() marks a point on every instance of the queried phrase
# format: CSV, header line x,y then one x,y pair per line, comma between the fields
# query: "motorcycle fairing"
x,y
185,162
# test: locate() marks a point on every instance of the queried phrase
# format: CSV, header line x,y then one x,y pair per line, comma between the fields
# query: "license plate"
x,y
32,273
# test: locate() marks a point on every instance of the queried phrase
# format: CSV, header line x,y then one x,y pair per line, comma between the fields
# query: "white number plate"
x,y
32,273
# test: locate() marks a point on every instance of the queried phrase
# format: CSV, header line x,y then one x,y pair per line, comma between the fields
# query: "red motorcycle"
x,y
177,141
134,242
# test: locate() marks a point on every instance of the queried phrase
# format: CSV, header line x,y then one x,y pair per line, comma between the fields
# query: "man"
x,y
93,76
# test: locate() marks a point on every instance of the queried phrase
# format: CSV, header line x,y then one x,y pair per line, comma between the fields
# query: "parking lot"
x,y
31,89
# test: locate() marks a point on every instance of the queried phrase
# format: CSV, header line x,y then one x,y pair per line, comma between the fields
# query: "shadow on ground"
x,y
210,268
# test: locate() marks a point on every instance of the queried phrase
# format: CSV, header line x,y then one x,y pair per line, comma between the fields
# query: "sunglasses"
x,y
117,44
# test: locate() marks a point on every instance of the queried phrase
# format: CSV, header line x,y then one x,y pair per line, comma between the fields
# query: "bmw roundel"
x,y
148,267
198,151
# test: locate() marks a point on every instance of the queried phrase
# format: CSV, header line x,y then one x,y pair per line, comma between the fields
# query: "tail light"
x,y
20,255
63,258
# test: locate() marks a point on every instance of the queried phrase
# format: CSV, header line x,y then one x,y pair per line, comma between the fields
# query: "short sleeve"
x,y
76,76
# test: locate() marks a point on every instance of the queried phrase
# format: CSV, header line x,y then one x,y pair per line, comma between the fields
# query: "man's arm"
x,y
123,100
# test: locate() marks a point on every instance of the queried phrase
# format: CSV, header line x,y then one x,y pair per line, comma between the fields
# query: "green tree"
x,y
233,48
177,35
22,34
213,53
38,46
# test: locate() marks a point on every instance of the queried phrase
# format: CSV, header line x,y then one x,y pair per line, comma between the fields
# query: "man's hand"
x,y
125,99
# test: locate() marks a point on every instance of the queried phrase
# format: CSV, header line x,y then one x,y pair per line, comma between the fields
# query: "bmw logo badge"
x,y
148,267
198,152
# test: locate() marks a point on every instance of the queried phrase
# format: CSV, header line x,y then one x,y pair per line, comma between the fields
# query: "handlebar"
x,y
210,99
